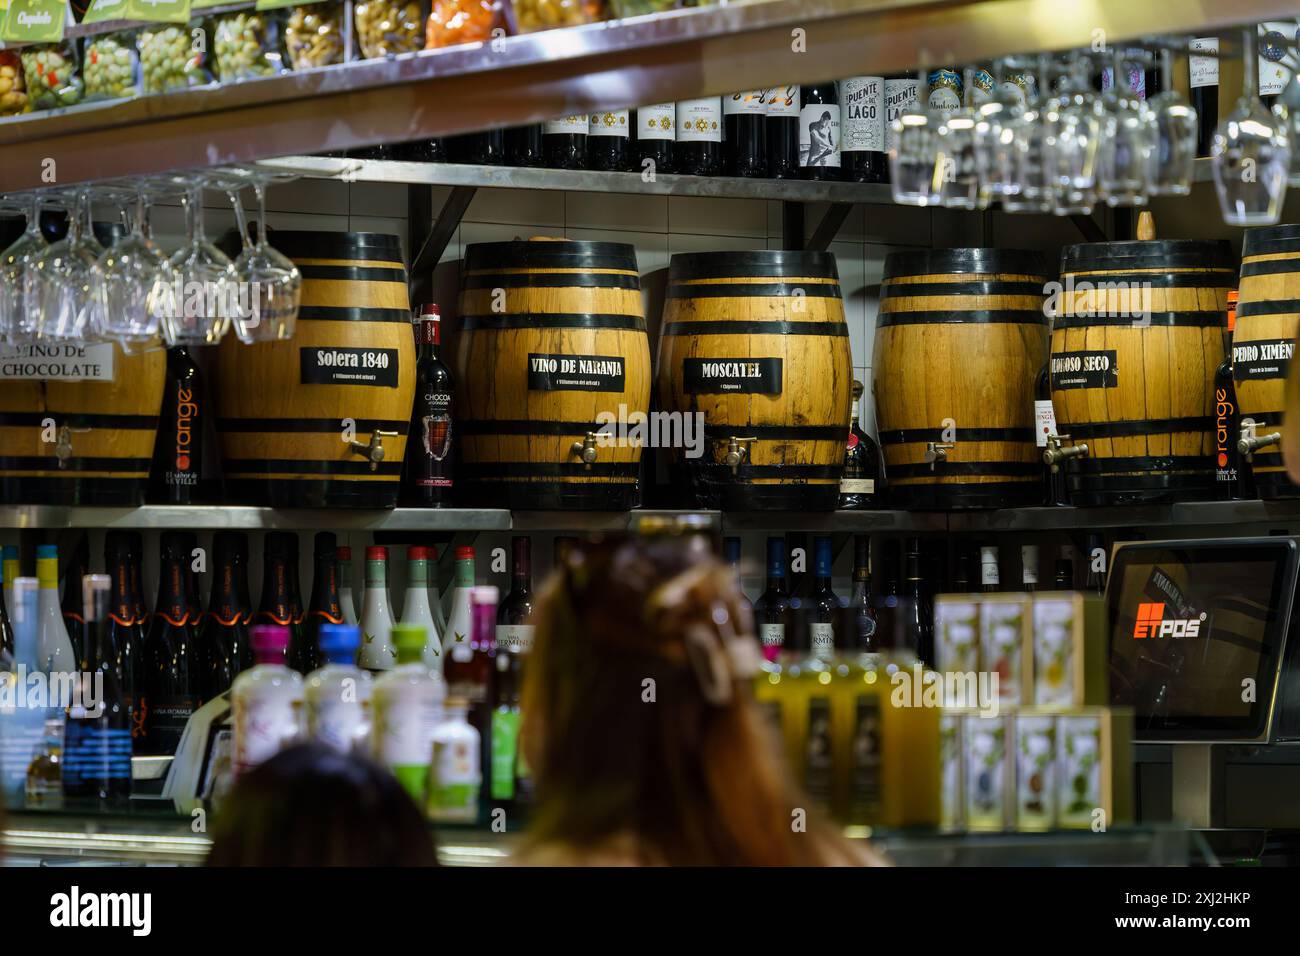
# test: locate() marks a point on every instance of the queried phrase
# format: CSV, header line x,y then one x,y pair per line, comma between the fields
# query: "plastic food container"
x,y
314,35
171,60
387,27
534,15
13,94
463,21
248,45
112,67
50,71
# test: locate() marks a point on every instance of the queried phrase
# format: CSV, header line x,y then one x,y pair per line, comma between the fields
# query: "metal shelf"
x,y
1189,514
830,522
530,78
216,517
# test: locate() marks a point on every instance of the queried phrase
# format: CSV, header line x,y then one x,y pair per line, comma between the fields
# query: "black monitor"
x,y
1198,638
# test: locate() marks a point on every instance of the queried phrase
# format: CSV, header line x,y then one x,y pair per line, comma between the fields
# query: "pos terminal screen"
x,y
1197,630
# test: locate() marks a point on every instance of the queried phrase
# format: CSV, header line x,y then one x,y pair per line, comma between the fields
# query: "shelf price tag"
x,y
34,21
281,4
159,11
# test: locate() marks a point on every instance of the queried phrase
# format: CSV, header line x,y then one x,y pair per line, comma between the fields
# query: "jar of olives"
x,y
387,27
248,44
314,34
533,15
463,21
172,59
50,71
112,67
13,94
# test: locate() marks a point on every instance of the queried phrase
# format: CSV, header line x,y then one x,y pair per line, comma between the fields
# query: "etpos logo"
x,y
1151,623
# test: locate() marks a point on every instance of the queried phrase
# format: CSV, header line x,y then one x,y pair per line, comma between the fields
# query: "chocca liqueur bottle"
x,y
429,459
178,450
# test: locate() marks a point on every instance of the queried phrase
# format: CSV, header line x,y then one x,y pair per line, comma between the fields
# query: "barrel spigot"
x,y
373,452
937,451
1251,441
63,443
737,452
585,450
1059,452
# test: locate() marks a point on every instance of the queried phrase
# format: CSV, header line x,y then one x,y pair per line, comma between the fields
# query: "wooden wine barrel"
x,y
552,345
1268,319
86,439
1136,340
960,337
757,343
282,406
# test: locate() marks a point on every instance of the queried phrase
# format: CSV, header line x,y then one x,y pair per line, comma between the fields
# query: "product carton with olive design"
x,y
1006,645
1094,772
956,639
1036,789
952,769
990,771
1070,646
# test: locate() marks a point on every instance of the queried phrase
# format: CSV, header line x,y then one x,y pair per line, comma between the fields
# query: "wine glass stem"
x,y
1166,70
241,220
259,188
1249,75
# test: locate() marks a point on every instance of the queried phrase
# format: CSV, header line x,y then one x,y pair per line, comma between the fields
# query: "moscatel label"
x,y
712,376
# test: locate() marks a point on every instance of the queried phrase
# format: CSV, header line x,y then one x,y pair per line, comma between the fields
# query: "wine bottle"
x,y
224,644
608,146
1064,580
178,450
858,489
169,693
1227,424
885,603
324,607
1029,567
136,540
524,145
917,616
514,641
1275,36
415,606
819,134
772,609
862,103
514,630
337,695
990,579
265,701
1045,427
97,739
731,554
279,574
459,621
744,120
347,603
782,130
865,642
564,142
487,148
74,620
902,91
126,630
656,131
945,91
1203,74
823,605
193,603
466,662
429,462
377,650
961,582
53,646
698,149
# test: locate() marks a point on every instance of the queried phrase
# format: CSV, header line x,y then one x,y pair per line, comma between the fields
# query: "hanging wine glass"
x,y
272,281
1030,144
17,319
955,159
1127,150
1175,128
1073,124
133,283
1251,154
205,275
1287,108
59,279
995,137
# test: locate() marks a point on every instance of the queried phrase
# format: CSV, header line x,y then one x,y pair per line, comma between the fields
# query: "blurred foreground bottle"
x,y
337,696
408,703
265,700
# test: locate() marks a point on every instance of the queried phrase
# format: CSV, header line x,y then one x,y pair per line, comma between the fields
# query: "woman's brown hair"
x,y
639,722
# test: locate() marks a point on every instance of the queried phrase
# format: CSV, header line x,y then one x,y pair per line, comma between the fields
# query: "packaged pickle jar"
x,y
50,71
112,67
463,21
248,44
13,95
170,59
387,27
314,34
534,15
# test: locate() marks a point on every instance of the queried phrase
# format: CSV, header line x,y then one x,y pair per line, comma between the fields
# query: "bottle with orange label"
x,y
1230,476
176,472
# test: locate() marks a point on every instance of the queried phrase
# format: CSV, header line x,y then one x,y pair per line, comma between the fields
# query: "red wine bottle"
x,y
782,131
744,120
324,608
564,142
524,145
1203,75
698,150
170,693
819,132
609,141
656,131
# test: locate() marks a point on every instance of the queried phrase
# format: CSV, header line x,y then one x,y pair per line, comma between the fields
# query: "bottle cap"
x,y
409,640
10,552
376,552
417,553
345,553
44,551
268,639
91,583
428,310
339,642
465,554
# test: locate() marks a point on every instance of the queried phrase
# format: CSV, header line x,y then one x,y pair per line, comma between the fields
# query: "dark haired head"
x,y
310,805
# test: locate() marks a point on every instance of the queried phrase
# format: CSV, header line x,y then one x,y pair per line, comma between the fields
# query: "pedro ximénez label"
x,y
710,376
1263,359
348,366
575,373
1084,370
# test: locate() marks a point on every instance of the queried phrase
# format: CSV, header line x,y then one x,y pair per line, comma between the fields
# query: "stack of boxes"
x,y
1027,740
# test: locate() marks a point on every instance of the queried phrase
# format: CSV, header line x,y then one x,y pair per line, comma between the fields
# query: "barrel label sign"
x,y
575,373
1084,370
64,363
1263,359
345,366
713,376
